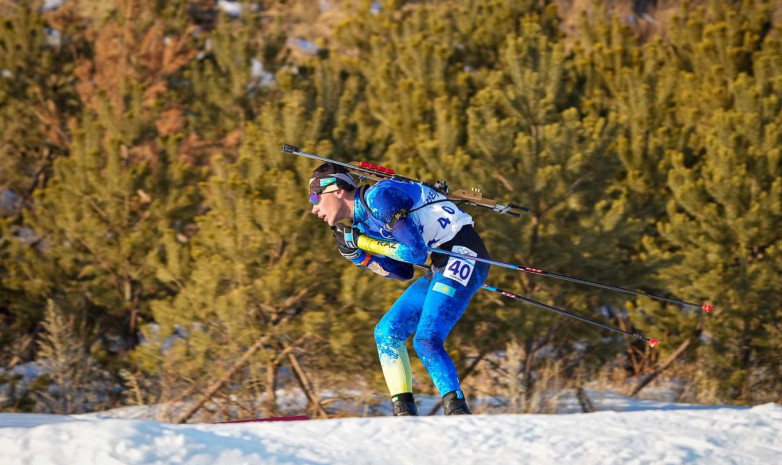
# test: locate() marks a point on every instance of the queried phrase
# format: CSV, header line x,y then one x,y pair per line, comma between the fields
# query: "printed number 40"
x,y
444,222
460,269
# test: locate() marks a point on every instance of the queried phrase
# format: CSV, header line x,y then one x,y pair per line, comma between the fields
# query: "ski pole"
x,y
651,342
549,274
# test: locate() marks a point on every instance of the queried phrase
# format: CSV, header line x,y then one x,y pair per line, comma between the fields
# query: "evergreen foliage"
x,y
37,97
722,229
99,221
536,147
144,195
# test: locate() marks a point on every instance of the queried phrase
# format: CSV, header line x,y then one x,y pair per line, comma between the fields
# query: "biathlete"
x,y
398,221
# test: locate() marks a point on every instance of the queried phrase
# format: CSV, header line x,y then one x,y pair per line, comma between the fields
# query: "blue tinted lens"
x,y
315,196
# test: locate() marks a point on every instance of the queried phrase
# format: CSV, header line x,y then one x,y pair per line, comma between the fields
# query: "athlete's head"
x,y
332,190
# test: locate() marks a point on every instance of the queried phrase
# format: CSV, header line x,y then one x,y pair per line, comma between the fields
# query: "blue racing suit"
x,y
431,306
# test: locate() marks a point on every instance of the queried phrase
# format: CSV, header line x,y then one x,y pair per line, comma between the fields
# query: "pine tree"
x,y
723,232
422,63
94,227
637,83
713,91
36,99
222,94
722,213
537,148
98,221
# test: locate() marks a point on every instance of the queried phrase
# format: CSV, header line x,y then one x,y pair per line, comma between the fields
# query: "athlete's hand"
x,y
347,237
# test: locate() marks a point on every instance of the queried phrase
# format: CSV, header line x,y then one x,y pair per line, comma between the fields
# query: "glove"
x,y
347,237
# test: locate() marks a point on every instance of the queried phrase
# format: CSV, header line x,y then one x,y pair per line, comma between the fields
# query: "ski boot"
x,y
455,404
404,405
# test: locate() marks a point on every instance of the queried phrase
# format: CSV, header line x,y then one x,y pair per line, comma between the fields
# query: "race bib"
x,y
460,269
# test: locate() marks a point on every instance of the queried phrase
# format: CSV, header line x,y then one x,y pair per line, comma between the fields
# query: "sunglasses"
x,y
315,196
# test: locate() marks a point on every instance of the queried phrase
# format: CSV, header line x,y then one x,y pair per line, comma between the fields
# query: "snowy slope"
x,y
675,436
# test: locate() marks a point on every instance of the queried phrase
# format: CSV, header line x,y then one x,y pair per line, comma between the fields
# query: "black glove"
x,y
347,237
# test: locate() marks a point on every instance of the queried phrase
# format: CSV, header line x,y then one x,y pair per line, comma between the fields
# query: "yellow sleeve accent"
x,y
372,245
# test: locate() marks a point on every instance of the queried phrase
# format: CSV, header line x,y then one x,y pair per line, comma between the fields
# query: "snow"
x,y
262,77
231,7
51,4
309,48
664,434
9,201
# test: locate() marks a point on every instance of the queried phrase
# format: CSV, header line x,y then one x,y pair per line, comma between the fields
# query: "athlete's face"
x,y
329,205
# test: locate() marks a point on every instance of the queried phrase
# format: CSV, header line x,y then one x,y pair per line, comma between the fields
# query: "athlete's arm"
x,y
385,203
347,238
385,266
393,259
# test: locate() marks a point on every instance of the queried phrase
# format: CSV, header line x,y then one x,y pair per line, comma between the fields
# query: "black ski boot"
x,y
404,405
455,404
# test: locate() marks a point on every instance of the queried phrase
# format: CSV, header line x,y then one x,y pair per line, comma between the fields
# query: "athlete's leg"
x,y
393,330
445,303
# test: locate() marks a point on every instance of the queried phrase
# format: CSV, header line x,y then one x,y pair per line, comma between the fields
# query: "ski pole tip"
x,y
707,307
653,342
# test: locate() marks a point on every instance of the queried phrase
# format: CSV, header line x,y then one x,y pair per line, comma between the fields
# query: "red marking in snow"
x,y
654,342
708,308
265,420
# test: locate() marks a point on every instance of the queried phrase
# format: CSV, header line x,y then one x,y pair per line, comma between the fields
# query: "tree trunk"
x,y
220,382
651,376
269,406
304,382
583,400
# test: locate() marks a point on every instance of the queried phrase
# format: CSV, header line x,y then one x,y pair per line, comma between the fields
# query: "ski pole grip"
x,y
287,148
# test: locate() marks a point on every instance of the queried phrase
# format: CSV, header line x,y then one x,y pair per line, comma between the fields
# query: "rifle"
x,y
368,170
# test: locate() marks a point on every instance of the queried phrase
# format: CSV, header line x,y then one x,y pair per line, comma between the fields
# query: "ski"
x,y
375,172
